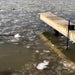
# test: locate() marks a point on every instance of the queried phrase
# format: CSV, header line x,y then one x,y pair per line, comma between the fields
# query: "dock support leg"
x,y
68,28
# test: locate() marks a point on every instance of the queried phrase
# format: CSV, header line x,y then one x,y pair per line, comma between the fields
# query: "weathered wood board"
x,y
58,23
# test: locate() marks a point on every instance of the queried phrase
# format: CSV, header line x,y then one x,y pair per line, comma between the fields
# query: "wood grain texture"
x,y
58,24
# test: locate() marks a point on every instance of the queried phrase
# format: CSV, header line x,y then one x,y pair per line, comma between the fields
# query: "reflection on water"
x,y
14,56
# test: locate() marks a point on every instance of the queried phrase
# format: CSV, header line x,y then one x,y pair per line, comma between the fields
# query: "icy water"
x,y
22,16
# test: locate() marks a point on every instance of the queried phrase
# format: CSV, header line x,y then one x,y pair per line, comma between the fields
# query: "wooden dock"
x,y
59,24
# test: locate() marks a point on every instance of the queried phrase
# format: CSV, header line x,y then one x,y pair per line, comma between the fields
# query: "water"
x,y
13,56
22,16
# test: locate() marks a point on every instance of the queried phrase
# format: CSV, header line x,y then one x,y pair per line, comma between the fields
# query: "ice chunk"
x,y
46,51
27,46
17,36
42,65
66,64
53,45
37,51
46,62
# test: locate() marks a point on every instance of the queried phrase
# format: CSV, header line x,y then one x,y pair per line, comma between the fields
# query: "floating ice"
x,y
37,51
42,65
46,51
41,53
66,64
53,45
27,46
17,36
46,62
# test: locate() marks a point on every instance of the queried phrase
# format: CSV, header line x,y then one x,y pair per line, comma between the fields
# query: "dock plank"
x,y
58,24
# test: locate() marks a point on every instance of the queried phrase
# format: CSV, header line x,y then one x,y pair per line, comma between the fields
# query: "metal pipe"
x,y
68,35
